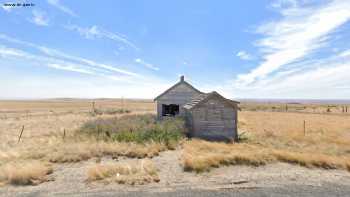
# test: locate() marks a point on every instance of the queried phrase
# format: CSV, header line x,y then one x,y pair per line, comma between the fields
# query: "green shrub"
x,y
109,111
135,128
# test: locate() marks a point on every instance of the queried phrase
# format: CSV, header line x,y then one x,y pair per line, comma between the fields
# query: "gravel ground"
x,y
278,179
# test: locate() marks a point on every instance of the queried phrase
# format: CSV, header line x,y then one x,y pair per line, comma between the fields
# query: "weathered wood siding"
x,y
214,119
179,95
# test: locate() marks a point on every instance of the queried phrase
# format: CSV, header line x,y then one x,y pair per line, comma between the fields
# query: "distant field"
x,y
8,107
45,117
319,108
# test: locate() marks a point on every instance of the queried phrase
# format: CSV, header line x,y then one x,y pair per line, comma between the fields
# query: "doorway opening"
x,y
170,110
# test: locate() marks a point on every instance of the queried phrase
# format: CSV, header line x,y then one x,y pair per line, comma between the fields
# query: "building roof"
x,y
182,81
204,97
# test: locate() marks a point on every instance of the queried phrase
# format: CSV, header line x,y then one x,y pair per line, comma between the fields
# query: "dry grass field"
x,y
278,136
267,136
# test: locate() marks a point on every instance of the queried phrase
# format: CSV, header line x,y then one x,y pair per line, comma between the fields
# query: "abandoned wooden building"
x,y
207,115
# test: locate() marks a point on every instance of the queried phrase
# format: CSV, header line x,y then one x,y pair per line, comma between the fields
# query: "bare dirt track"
x,y
277,179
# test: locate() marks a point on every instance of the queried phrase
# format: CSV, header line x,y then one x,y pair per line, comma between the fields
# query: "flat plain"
x,y
282,145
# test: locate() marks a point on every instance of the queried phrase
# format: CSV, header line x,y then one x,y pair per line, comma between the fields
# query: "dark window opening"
x,y
170,110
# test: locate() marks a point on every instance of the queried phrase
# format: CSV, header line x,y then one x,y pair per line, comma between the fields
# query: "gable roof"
x,y
206,96
174,86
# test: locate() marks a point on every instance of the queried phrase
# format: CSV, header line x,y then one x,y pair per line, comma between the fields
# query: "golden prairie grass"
x,y
276,136
271,136
139,172
74,150
202,156
24,173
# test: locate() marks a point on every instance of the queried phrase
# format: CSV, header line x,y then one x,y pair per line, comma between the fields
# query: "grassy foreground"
x,y
27,173
201,156
133,136
131,173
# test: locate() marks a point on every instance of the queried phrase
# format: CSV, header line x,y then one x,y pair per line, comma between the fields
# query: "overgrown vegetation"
x,y
131,173
135,128
79,151
24,173
135,136
109,111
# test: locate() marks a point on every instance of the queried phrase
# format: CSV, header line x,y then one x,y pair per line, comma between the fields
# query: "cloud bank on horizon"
x,y
280,49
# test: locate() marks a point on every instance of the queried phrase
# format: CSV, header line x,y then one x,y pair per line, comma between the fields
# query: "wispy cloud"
x,y
70,67
63,8
56,57
345,53
146,64
59,54
94,32
301,31
39,18
244,55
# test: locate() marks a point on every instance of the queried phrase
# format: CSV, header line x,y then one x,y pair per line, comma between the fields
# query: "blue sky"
x,y
137,49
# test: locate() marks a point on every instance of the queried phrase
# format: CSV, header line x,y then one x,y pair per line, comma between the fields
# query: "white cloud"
x,y
299,33
345,53
59,54
148,65
70,67
244,55
98,32
60,6
56,54
39,18
5,52
284,3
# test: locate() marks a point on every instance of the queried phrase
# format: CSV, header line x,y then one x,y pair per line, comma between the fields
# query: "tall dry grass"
x,y
24,173
201,156
140,172
57,150
132,136
274,136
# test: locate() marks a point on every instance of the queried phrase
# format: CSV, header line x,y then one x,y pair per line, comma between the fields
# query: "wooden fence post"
x,y
93,107
98,132
304,127
64,134
20,135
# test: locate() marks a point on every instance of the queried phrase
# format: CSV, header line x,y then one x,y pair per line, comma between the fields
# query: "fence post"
x,y
304,127
64,134
93,106
20,135
98,132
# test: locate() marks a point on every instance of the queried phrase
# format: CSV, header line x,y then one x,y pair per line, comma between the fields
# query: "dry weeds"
x,y
74,150
140,172
24,173
202,156
271,136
